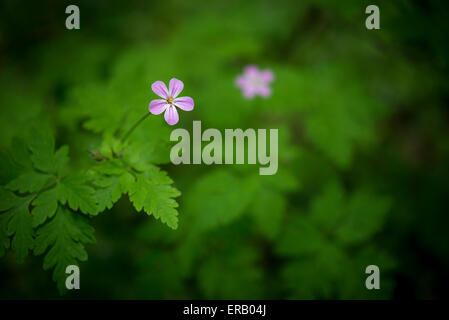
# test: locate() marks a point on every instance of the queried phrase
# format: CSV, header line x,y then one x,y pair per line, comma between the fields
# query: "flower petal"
x,y
265,91
251,70
160,89
158,106
249,92
171,115
267,76
184,103
175,86
240,81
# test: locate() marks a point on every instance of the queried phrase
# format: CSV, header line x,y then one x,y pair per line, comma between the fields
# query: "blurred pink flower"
x,y
170,100
255,82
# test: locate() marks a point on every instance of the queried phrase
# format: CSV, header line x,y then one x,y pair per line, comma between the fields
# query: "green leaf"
x,y
31,181
44,157
45,206
350,219
10,169
110,167
329,109
300,237
268,209
219,187
21,154
16,222
138,192
328,207
8,199
61,158
4,238
111,179
109,192
153,149
365,215
300,275
75,191
65,235
42,146
152,192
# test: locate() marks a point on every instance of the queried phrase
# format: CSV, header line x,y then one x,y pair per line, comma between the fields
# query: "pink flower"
x,y
170,100
255,82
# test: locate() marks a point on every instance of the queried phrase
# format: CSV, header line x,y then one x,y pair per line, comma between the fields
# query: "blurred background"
x,y
363,144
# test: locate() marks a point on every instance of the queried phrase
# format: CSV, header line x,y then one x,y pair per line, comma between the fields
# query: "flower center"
x,y
170,100
255,81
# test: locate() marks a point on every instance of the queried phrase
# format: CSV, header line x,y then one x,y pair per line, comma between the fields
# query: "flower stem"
x,y
123,139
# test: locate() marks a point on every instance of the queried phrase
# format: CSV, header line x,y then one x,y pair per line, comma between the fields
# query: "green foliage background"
x,y
363,151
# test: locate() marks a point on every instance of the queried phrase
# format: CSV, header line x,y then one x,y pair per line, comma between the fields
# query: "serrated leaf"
x,y
21,154
17,222
79,196
65,235
4,238
8,199
109,192
153,193
30,181
138,192
42,146
153,150
110,167
126,181
10,169
45,206
61,159
43,155
111,179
